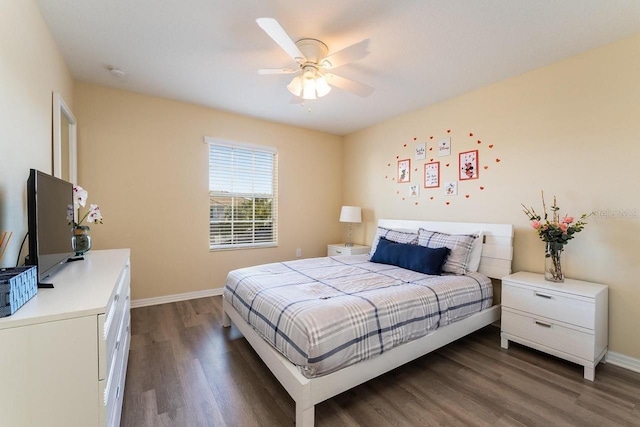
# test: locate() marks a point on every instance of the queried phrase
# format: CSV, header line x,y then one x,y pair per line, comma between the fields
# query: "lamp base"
x,y
348,245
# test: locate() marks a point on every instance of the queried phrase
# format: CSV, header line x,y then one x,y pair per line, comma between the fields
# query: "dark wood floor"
x,y
186,370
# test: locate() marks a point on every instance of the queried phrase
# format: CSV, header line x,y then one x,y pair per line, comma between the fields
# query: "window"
x,y
243,204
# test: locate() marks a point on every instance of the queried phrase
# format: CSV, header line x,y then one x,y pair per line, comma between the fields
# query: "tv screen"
x,y
49,201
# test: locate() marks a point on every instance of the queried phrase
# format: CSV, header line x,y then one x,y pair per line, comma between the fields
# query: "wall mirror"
x,y
65,162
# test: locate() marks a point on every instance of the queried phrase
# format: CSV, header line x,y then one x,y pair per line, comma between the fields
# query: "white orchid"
x,y
93,215
79,196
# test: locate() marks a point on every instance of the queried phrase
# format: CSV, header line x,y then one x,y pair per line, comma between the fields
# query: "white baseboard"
x,y
176,297
623,361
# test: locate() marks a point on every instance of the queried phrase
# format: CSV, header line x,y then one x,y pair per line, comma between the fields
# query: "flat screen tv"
x,y
49,200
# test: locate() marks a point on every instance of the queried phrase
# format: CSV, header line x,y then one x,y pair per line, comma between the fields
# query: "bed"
x,y
310,371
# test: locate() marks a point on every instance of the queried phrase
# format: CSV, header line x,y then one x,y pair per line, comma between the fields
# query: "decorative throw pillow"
x,y
460,245
412,257
397,236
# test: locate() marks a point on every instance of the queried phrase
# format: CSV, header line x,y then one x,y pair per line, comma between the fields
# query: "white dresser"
x,y
64,354
338,249
568,320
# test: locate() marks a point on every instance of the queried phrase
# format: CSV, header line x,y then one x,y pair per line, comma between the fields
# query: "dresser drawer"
x,y
567,308
114,387
110,323
549,333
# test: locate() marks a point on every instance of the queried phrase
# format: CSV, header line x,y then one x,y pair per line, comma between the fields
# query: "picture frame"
x,y
451,188
468,165
444,147
420,150
432,175
414,190
404,171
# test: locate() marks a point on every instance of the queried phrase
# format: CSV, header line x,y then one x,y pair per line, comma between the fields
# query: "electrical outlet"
x,y
298,253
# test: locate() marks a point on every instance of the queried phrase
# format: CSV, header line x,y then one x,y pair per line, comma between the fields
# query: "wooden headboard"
x,y
497,248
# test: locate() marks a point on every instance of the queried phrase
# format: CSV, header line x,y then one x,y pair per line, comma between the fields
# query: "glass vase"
x,y
81,240
553,258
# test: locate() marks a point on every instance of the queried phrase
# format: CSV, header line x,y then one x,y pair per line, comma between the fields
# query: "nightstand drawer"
x,y
563,307
334,251
550,334
339,249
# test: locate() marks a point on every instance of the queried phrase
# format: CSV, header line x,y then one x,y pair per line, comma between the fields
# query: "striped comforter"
x,y
327,313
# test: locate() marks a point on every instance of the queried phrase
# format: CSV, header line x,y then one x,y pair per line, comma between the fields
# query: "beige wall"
x,y
571,129
143,160
31,69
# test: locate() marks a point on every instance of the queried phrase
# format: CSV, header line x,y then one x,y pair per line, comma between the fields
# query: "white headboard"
x,y
497,248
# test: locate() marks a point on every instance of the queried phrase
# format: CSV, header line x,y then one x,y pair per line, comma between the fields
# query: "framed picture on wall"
x,y
432,175
468,165
404,170
420,151
414,190
444,147
451,188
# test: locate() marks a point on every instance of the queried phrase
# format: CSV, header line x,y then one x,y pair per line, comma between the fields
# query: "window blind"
x,y
242,195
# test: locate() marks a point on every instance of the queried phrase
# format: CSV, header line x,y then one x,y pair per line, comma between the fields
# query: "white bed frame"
x,y
307,392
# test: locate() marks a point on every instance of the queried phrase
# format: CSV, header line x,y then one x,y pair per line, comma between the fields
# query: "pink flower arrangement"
x,y
557,230
555,233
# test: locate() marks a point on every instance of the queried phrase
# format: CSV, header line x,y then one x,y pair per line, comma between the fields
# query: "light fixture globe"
x,y
322,87
308,88
295,87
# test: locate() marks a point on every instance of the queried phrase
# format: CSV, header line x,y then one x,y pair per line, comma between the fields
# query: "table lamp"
x,y
350,214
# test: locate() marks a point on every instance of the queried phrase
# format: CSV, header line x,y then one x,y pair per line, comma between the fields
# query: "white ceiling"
x,y
207,52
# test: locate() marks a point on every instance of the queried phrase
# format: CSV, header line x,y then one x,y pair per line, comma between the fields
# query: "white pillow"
x,y
476,252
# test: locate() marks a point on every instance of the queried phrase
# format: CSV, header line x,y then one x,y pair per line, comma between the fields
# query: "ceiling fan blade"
x,y
349,85
352,53
265,71
277,33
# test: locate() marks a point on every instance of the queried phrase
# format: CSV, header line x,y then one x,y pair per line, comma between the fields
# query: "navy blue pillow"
x,y
412,257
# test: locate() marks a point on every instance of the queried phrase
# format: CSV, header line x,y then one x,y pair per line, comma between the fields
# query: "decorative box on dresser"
x,y
64,353
339,249
568,320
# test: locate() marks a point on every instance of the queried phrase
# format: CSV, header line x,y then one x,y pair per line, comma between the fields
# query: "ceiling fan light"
x,y
309,89
322,87
295,87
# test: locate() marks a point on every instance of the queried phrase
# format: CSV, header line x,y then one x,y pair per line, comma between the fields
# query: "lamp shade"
x,y
351,214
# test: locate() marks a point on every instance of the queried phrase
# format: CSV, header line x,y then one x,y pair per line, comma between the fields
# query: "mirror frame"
x,y
61,108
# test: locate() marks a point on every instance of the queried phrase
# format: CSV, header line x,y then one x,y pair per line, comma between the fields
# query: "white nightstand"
x,y
337,249
567,320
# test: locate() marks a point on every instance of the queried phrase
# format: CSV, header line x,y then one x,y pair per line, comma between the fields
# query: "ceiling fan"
x,y
313,61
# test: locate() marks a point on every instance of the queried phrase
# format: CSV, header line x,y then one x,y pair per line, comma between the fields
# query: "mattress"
x,y
327,313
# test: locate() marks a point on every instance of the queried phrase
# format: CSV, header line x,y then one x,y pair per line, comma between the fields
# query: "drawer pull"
x,y
338,252
542,295
117,392
546,325
117,345
116,298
